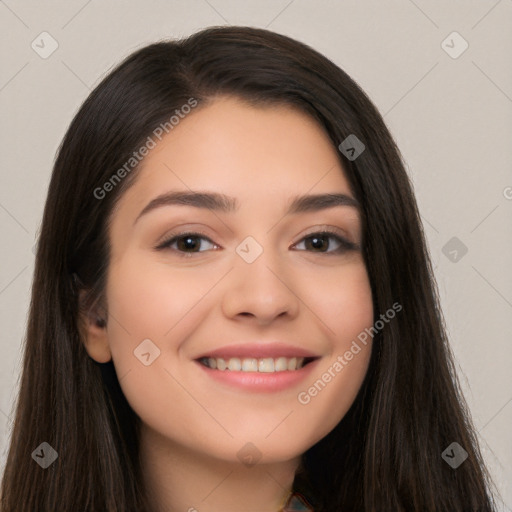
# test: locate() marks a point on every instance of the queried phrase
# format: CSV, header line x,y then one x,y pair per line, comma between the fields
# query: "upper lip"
x,y
258,350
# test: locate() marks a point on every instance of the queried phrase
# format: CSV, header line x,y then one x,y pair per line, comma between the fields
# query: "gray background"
x,y
450,114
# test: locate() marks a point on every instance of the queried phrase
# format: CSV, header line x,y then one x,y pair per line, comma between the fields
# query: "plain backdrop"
x,y
439,72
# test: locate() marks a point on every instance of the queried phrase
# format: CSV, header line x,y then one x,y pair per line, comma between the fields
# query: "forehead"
x,y
252,153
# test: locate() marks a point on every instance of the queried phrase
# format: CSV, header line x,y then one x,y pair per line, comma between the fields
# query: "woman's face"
x,y
258,282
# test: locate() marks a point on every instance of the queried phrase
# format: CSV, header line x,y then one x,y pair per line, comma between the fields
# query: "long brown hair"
x,y
385,454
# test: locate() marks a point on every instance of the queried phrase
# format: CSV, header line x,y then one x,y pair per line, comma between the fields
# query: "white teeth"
x,y
266,365
250,364
235,364
281,364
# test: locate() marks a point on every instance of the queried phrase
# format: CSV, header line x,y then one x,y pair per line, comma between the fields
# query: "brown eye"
x,y
321,242
186,243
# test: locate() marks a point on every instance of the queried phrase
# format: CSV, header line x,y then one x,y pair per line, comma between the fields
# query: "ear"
x,y
93,330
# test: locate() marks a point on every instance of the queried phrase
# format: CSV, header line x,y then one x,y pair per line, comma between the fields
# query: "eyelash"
x,y
345,245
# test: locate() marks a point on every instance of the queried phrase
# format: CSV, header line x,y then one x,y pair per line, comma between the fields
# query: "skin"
x,y
193,427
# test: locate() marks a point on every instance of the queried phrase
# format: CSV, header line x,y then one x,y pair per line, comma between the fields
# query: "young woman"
x,y
233,308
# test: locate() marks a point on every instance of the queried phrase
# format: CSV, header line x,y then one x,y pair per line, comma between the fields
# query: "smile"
x,y
261,365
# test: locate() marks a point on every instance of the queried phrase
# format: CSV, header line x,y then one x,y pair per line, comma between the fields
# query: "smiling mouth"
x,y
258,365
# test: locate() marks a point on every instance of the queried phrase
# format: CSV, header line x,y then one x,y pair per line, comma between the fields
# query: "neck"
x,y
182,480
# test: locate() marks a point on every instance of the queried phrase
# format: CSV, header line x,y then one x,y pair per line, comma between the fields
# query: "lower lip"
x,y
261,381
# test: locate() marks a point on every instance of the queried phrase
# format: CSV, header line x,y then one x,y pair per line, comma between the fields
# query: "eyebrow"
x,y
226,204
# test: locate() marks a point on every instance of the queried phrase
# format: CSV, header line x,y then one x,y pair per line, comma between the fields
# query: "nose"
x,y
261,291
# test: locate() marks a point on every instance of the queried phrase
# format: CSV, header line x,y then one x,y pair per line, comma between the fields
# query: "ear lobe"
x,y
93,331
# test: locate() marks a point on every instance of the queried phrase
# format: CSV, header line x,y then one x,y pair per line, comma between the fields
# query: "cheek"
x,y
342,301
345,308
144,301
